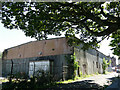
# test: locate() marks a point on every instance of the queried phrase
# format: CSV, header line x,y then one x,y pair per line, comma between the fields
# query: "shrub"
x,y
41,80
44,78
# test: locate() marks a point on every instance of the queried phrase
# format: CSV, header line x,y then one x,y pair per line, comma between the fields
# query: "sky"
x,y
10,38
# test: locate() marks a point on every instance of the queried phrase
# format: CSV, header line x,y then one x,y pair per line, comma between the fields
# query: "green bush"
x,y
20,75
20,81
44,78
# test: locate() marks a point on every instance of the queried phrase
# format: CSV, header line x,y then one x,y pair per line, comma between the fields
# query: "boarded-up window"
x,y
43,65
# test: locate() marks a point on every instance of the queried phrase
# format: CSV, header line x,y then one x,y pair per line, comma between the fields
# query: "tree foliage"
x,y
115,43
88,19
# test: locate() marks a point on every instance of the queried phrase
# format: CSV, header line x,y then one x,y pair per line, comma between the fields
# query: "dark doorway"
x,y
84,69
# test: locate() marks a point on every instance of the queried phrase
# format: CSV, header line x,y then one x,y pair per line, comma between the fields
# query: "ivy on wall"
x,y
105,65
72,63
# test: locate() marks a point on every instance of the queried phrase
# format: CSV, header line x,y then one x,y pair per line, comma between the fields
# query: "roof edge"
x,y
33,41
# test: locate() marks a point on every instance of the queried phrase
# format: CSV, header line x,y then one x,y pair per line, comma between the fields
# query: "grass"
x,y
4,80
107,72
66,81
77,78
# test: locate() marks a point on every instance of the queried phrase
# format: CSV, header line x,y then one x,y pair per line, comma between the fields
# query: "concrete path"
x,y
102,79
96,82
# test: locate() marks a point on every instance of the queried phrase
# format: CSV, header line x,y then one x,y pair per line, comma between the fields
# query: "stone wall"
x,y
90,61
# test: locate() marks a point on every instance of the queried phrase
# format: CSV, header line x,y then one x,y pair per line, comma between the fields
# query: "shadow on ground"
x,y
112,79
86,84
77,85
115,83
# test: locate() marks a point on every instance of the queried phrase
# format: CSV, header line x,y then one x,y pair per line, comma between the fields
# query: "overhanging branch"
x,y
110,17
108,31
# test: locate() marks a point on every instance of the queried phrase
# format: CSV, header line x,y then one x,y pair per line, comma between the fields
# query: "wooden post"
x,y
62,72
11,74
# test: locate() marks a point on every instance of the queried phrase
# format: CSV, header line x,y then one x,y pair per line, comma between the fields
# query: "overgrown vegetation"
x,y
73,64
77,78
105,65
20,81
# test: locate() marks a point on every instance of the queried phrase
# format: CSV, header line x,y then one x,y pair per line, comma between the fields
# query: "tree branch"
x,y
110,17
108,31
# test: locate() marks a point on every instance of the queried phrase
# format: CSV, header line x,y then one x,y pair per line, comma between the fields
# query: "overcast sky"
x,y
10,38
